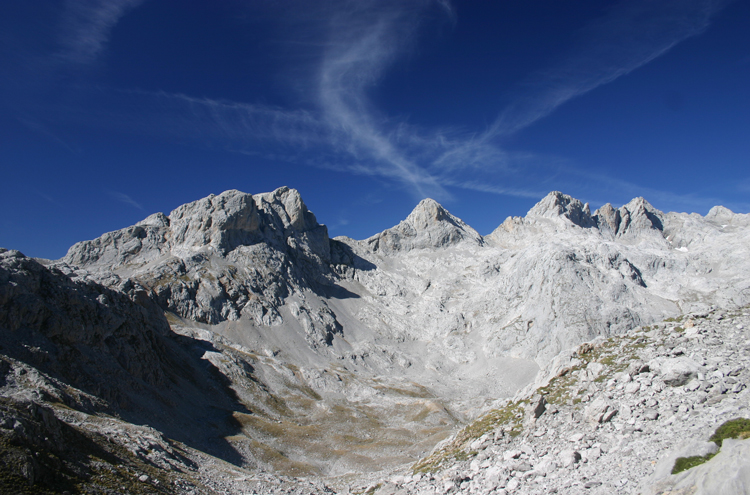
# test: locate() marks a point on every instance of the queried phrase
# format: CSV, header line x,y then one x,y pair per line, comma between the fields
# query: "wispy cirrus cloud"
x,y
361,43
38,127
349,47
630,35
362,40
86,27
124,198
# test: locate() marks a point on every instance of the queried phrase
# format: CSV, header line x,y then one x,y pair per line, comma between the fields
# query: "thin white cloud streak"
x,y
237,122
494,189
632,34
37,127
87,25
124,198
46,197
620,190
363,40
355,44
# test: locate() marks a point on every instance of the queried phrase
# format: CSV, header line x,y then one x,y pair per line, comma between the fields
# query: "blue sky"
x,y
112,110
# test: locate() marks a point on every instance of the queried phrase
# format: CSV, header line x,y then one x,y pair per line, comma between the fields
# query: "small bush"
x,y
734,428
684,463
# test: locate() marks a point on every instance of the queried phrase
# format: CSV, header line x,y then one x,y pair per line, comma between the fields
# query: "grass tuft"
x,y
734,428
684,463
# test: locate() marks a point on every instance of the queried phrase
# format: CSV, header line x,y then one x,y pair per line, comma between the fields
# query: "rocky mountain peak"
x,y
634,219
429,225
426,213
557,204
724,216
155,220
720,214
607,218
287,205
218,223
222,222
270,320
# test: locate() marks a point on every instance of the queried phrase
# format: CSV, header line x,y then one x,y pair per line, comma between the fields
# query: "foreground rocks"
x,y
619,412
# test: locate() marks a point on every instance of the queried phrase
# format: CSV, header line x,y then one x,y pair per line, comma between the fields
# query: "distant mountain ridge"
x,y
259,250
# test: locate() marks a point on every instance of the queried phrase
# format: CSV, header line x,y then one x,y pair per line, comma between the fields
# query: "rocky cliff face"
x,y
81,331
612,416
383,344
218,258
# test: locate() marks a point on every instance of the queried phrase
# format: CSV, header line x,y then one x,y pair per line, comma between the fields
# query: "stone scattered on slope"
x,y
616,430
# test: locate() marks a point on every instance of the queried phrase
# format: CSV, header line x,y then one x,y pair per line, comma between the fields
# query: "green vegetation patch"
x,y
734,428
510,416
684,463
738,428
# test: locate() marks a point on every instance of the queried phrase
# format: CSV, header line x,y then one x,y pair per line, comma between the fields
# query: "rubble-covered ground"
x,y
612,417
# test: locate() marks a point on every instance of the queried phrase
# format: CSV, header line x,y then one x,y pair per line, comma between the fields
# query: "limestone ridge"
x,y
218,258
47,308
428,226
216,223
637,219
561,274
557,204
293,341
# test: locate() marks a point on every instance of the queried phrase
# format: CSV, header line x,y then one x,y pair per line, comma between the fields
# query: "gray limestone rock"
x,y
558,205
428,226
676,371
726,473
568,457
422,327
600,410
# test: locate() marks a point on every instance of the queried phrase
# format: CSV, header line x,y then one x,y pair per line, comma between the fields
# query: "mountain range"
x,y
234,329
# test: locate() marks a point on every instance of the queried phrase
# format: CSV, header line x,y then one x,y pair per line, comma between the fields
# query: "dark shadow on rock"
x,y
196,408
42,454
655,221
342,254
335,292
103,343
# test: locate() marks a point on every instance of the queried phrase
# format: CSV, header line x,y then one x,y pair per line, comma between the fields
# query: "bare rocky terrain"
x,y
233,347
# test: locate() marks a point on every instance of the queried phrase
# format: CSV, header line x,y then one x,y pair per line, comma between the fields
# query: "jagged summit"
x,y
557,204
429,225
634,219
723,216
637,221
221,222
217,223
189,258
